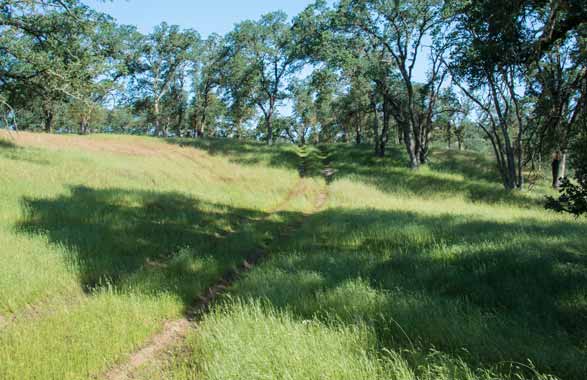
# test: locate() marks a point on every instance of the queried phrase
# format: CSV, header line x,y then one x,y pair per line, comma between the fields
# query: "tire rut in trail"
x,y
174,331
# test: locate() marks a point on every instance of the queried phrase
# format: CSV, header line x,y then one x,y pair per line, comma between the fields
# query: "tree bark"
x,y
376,133
83,125
157,117
269,124
411,146
563,165
385,132
48,122
269,120
555,172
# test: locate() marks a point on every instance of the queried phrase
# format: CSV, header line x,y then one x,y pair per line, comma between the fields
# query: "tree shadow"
x,y
391,175
480,182
471,165
308,161
501,291
148,241
13,152
6,144
504,291
245,152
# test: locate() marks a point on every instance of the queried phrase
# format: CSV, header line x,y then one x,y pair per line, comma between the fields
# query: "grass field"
x,y
437,274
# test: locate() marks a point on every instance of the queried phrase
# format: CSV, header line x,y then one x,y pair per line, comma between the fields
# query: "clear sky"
x,y
205,16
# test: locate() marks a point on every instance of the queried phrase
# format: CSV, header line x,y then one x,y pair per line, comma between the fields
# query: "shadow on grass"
x,y
481,183
470,165
308,161
13,152
6,144
391,175
246,152
147,241
502,291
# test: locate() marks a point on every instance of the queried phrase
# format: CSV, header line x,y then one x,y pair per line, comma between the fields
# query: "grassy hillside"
x,y
437,274
105,238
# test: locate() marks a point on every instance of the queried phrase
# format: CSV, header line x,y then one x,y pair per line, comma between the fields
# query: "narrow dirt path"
x,y
173,332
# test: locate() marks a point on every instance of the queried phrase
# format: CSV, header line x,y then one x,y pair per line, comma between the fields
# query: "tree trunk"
x,y
48,122
83,125
563,165
157,118
201,127
269,124
556,172
166,127
449,135
385,132
520,164
344,138
180,120
425,153
237,128
201,132
303,136
411,146
376,133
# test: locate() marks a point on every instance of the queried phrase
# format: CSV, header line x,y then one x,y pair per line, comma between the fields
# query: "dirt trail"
x,y
174,331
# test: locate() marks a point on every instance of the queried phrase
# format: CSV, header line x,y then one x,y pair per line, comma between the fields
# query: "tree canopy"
x,y
512,73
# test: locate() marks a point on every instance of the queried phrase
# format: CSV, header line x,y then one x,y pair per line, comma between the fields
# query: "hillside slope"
x,y
106,238
437,274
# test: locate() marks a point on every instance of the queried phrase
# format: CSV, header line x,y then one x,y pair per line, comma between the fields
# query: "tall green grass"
x,y
435,274
450,276
104,239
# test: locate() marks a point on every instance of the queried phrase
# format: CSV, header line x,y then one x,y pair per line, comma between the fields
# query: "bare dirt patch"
x,y
172,332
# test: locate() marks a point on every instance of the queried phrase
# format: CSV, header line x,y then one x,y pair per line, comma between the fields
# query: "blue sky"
x,y
205,16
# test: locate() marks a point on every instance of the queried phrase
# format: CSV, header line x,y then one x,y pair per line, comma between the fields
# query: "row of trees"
x,y
514,72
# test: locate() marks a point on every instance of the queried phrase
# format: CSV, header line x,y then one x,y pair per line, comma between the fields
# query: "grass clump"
x,y
253,340
247,341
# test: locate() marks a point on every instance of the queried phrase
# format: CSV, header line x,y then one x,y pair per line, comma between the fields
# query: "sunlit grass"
x,y
451,276
435,274
103,239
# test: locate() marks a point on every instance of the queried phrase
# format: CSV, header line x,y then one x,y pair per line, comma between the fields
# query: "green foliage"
x,y
267,46
56,53
159,77
573,197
